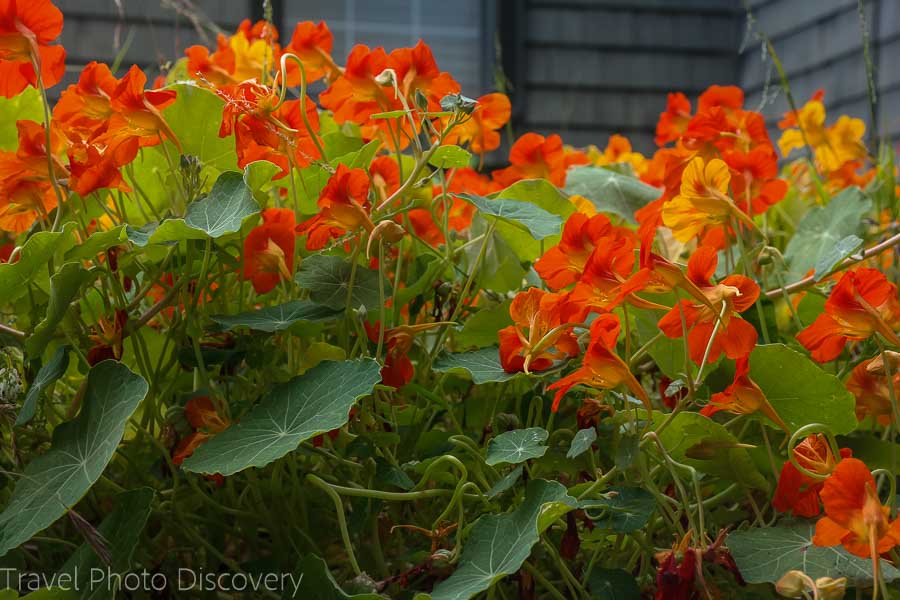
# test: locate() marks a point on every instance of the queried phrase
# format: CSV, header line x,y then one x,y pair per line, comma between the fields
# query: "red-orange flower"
x,y
673,122
798,492
854,516
27,28
84,109
754,179
26,193
137,121
869,385
533,156
862,303
480,130
416,69
215,67
269,250
206,421
385,174
602,368
398,369
343,207
311,43
538,337
563,264
734,294
743,397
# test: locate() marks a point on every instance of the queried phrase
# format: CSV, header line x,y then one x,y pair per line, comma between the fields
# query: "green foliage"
x,y
825,233
765,554
304,407
81,449
499,544
801,392
516,446
611,192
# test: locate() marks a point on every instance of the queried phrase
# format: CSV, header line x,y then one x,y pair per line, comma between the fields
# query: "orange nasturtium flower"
x,y
539,336
602,368
480,130
798,492
673,122
563,264
206,421
137,120
27,28
862,303
83,109
533,156
703,200
26,193
343,207
398,369
854,516
868,384
743,397
618,151
312,44
269,250
734,294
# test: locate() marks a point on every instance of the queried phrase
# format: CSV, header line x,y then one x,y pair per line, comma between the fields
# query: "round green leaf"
x,y
800,391
55,481
304,407
517,446
766,554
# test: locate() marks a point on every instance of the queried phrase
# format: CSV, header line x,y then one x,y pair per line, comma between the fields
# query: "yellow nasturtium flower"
x,y
702,201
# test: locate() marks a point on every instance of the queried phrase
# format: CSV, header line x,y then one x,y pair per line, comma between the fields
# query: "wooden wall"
x,y
820,44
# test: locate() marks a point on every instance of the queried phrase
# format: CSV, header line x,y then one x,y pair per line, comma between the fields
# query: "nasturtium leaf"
x,y
506,482
46,376
122,531
544,195
314,580
517,446
687,429
833,255
611,192
276,318
480,329
98,242
64,287
822,228
765,554
482,365
800,391
167,231
582,441
25,106
501,268
195,117
33,259
222,211
258,177
499,544
313,403
450,157
328,278
81,448
613,584
626,509
527,216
